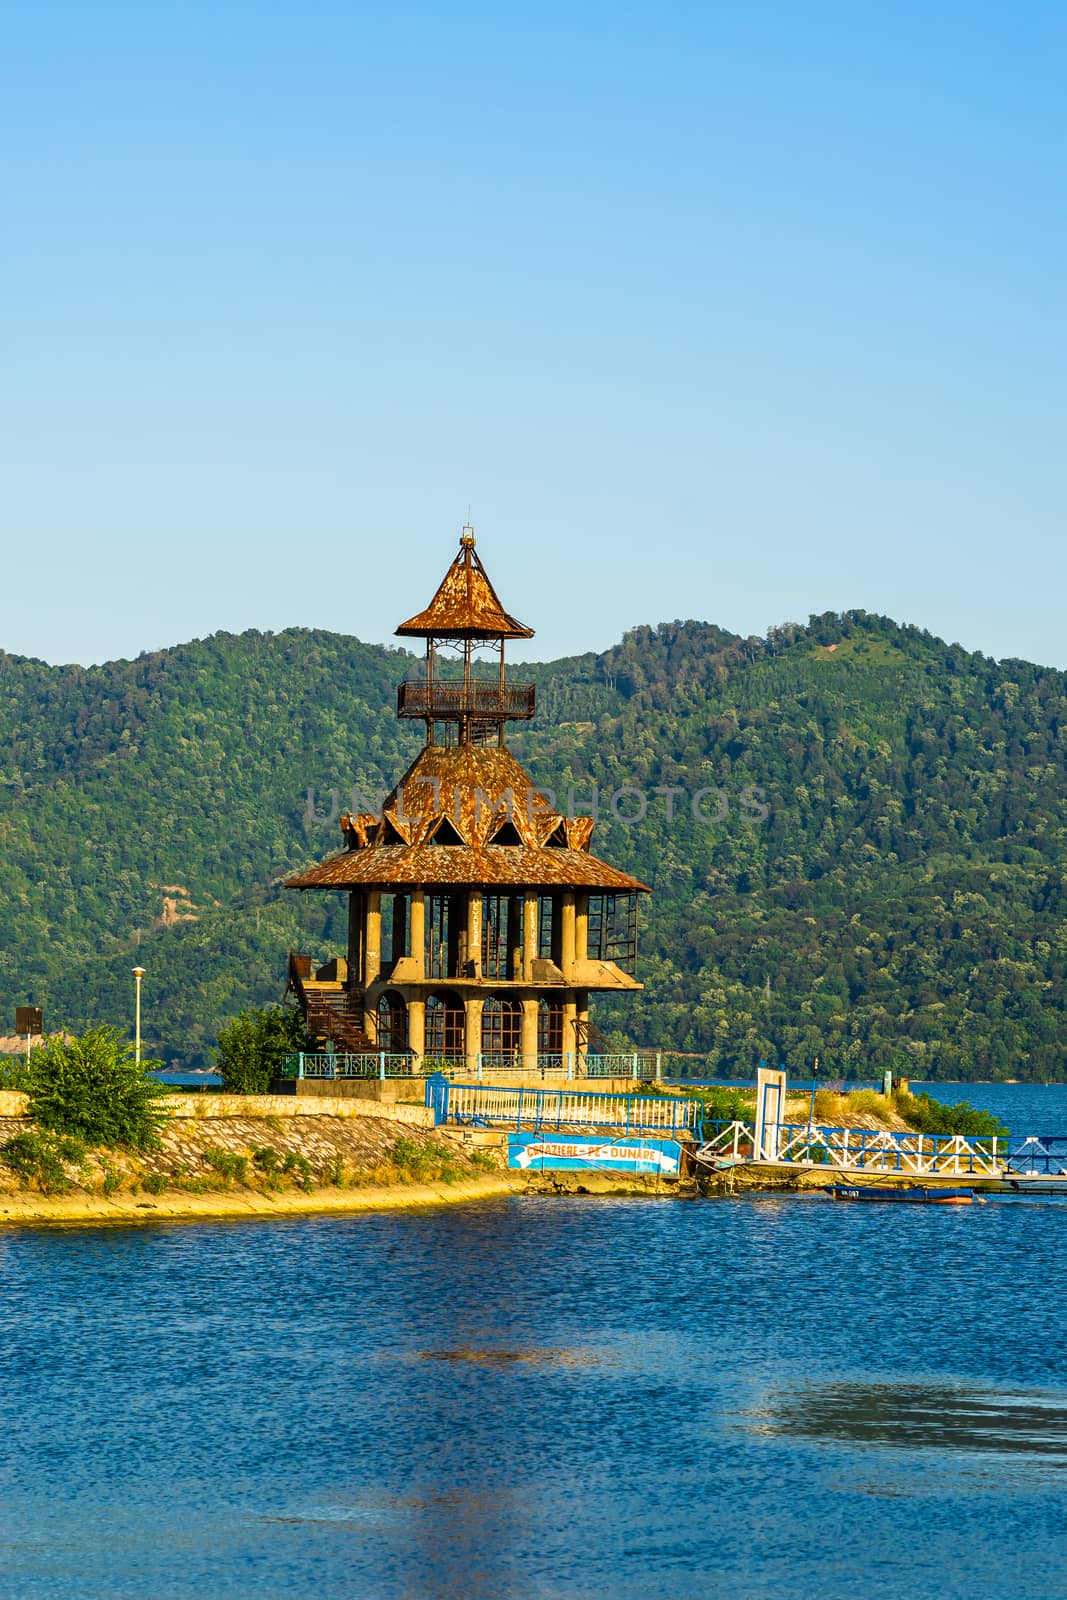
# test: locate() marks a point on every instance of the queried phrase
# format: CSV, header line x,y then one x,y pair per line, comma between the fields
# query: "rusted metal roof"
x,y
501,829
393,866
466,605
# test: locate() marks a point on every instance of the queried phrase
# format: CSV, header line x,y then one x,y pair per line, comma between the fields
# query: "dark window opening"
x,y
549,1030
545,927
444,1026
446,833
613,929
501,1028
392,1024
507,833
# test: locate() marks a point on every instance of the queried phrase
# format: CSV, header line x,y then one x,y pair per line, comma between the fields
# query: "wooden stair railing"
x,y
327,1016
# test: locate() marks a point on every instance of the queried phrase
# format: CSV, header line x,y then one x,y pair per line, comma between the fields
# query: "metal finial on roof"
x,y
466,538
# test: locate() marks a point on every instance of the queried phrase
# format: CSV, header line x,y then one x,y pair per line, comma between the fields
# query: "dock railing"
x,y
872,1150
882,1150
1038,1155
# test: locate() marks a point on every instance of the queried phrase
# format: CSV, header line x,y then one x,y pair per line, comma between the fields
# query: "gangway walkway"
x,y
881,1150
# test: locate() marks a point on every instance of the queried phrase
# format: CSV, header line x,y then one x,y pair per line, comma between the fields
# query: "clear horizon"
x,y
741,315
518,651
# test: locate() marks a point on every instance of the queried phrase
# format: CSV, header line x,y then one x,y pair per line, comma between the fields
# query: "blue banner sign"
x,y
563,1152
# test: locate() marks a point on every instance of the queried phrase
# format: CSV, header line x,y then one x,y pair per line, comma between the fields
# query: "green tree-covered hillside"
x,y
877,876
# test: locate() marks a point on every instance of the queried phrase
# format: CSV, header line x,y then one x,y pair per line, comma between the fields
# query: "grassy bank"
x,y
237,1166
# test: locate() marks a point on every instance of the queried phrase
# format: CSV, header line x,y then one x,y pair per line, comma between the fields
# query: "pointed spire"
x,y
466,605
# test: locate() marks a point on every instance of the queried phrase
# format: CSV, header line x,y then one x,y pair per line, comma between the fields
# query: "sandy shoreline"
x,y
26,1206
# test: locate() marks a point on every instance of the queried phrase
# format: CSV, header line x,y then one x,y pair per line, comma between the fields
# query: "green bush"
x,y
251,1048
13,1073
927,1115
227,1163
42,1158
94,1089
300,1167
265,1157
419,1163
155,1182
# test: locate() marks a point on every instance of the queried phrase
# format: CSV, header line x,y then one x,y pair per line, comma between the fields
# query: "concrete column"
x,y
474,930
581,927
473,1008
529,933
529,1029
418,933
417,1030
567,934
372,948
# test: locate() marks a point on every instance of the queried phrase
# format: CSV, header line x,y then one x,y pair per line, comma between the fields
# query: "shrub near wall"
x,y
94,1089
251,1048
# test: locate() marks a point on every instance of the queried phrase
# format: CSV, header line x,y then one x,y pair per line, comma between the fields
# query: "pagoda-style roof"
x,y
466,815
466,606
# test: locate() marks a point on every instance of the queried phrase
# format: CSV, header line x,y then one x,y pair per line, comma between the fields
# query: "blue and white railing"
x,y
881,1150
1038,1155
482,1106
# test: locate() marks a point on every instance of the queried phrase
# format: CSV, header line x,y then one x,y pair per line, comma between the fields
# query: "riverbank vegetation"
x,y
253,1156
253,1046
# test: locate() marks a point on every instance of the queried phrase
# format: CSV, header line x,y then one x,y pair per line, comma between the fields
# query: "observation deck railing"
x,y
448,700
400,1064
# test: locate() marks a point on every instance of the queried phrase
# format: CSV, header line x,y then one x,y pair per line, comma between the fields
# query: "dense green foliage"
x,y
251,1048
903,904
94,1089
42,1157
923,1112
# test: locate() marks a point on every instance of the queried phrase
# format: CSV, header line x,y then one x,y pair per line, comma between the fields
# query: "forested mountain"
x,y
874,870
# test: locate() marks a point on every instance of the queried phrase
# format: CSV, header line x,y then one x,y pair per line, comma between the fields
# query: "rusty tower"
x,y
479,921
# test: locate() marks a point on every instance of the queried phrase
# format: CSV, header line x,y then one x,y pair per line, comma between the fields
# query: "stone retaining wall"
x,y
13,1104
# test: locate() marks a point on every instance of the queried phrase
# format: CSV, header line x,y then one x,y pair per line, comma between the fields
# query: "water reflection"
x,y
923,1416
507,1358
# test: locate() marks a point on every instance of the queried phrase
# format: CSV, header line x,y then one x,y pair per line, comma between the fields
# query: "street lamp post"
x,y
138,974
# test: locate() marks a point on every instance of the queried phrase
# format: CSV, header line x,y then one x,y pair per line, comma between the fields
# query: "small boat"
x,y
910,1194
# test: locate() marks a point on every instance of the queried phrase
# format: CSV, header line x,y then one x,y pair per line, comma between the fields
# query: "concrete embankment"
x,y
249,1155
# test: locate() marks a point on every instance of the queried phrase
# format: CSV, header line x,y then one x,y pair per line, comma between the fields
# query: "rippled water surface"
x,y
540,1398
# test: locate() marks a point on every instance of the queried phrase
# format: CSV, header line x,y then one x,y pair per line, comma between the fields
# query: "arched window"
x,y
501,1028
392,1023
550,1028
444,1025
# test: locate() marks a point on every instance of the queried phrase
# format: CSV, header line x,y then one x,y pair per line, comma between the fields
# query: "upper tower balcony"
x,y
465,616
451,701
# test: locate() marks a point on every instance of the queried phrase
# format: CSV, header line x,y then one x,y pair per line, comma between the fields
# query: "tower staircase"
x,y
328,1007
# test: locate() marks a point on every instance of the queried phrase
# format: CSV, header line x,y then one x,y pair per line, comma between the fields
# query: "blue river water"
x,y
543,1398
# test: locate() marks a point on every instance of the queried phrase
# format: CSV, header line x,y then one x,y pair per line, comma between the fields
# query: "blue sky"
x,y
734,312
